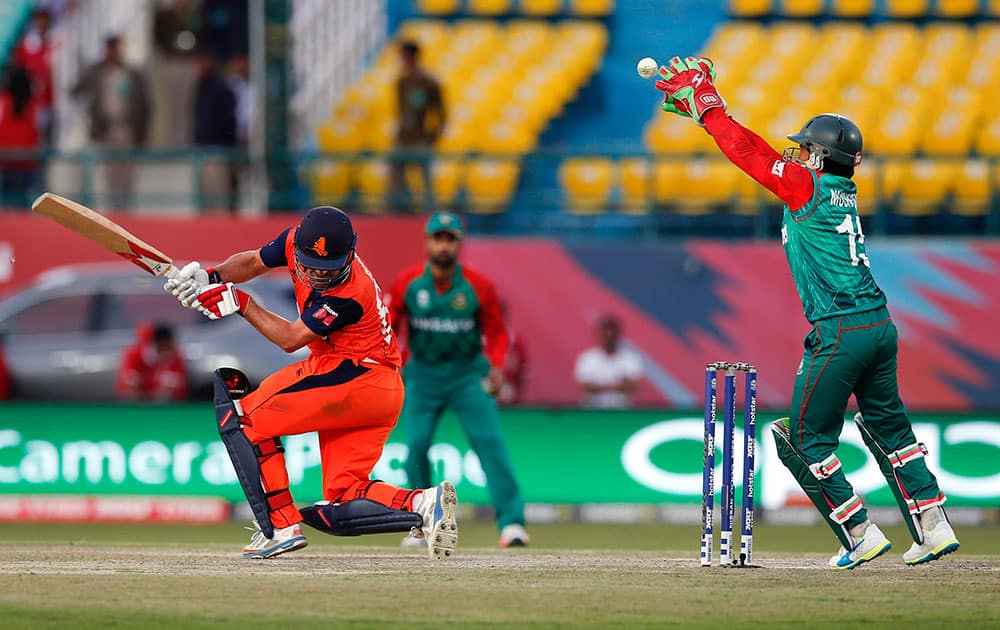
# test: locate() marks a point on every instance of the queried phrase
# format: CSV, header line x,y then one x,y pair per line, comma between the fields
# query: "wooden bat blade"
x,y
104,232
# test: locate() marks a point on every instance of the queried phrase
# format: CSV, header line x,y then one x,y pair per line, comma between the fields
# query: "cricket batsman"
x,y
348,389
457,341
853,343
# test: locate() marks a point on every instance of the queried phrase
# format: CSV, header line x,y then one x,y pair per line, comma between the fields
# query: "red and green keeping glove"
x,y
220,300
688,87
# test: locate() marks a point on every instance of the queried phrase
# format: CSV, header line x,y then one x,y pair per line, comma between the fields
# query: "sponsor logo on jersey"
x,y
709,99
459,302
844,200
778,168
326,314
423,298
443,325
320,246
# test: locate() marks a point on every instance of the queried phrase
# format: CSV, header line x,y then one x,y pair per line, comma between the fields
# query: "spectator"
x,y
421,121
119,106
34,53
215,127
6,385
18,134
514,366
152,369
608,372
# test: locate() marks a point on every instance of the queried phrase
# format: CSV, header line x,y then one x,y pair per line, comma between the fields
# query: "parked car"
x,y
63,336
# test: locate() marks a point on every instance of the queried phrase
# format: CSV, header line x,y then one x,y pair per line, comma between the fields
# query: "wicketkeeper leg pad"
x,y
811,478
229,386
892,464
357,517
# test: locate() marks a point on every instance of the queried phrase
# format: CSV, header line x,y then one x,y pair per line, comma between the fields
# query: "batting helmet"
x,y
325,241
836,138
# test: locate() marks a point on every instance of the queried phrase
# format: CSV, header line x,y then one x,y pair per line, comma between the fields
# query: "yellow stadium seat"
x,y
438,7
446,178
696,187
749,8
488,7
591,8
993,7
906,8
925,185
490,183
634,184
674,135
865,178
586,184
540,8
331,182
988,139
956,8
801,8
890,179
373,179
852,8
972,188
897,135
951,132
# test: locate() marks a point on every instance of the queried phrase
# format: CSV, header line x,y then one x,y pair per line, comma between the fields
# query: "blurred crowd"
x,y
193,91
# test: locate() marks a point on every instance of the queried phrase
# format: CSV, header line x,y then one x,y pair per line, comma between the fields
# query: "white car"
x,y
63,336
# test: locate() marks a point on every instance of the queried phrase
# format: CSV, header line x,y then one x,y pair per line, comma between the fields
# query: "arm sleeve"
x,y
491,324
330,313
273,254
792,183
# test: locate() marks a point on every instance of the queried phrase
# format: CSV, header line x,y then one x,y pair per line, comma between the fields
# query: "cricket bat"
x,y
105,233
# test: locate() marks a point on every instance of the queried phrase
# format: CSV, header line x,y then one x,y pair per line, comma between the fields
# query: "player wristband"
x,y
213,276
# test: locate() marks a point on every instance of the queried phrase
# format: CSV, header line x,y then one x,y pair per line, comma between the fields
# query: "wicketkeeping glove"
x,y
220,300
688,87
190,281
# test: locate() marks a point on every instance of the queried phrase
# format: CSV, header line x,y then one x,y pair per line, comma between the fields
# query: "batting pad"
x,y
357,517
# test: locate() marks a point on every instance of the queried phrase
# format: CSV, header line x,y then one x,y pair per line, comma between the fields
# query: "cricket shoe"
x,y
285,539
440,528
870,546
938,541
514,535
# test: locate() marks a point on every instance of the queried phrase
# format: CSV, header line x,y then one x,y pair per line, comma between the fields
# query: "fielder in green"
x,y
853,343
456,342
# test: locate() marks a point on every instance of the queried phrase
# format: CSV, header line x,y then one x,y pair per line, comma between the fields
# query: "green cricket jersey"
x,y
825,247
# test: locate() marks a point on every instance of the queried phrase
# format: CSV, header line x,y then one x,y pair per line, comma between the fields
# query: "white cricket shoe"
x,y
285,539
440,528
871,545
938,541
514,535
415,540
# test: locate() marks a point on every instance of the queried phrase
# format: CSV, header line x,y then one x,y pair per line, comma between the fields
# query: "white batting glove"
x,y
189,282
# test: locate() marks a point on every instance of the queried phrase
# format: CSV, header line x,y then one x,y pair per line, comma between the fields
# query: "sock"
x,y
858,531
930,517
418,500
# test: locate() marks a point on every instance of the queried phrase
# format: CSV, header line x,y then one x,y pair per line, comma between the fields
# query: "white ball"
x,y
647,67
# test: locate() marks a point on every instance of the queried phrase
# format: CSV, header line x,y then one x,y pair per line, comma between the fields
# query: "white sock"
x,y
418,500
930,517
858,531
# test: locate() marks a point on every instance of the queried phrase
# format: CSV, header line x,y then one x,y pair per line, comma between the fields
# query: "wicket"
x,y
726,557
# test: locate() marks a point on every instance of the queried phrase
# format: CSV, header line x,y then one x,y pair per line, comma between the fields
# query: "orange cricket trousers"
x,y
352,407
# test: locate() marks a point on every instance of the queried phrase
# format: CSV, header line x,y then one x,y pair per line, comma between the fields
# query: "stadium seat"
x,y
446,178
749,8
950,132
695,187
331,182
852,8
591,8
987,141
890,178
586,184
865,178
993,8
488,7
972,188
670,134
906,9
956,8
540,8
438,7
801,8
490,183
925,186
373,178
634,184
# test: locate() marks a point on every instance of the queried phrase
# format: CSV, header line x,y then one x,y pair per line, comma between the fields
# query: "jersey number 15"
x,y
854,237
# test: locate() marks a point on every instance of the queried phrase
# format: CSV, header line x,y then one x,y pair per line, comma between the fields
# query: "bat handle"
x,y
171,272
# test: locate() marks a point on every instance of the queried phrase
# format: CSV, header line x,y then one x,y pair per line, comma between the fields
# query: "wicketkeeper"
x,y
853,343
349,390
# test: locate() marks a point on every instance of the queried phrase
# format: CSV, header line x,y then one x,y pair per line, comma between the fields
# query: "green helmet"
x,y
838,139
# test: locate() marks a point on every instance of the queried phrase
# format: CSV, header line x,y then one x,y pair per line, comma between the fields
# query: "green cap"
x,y
444,222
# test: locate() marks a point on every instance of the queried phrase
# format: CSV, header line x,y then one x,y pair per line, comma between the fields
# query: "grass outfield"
x,y
573,575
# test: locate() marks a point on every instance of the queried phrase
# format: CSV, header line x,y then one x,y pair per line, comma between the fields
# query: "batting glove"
x,y
190,281
219,300
688,87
